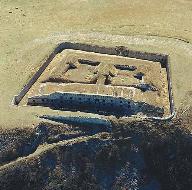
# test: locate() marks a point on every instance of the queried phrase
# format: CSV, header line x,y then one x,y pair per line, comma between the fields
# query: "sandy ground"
x,y
30,29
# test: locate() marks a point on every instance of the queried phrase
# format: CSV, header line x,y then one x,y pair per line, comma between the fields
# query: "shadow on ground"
x,y
133,155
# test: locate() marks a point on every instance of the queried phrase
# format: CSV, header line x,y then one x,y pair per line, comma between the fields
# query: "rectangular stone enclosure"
x,y
102,80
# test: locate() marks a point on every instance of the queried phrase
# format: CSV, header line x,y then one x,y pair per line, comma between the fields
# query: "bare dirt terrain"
x,y
29,30
38,155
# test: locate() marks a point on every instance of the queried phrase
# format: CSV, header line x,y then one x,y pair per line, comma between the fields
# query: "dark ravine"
x,y
144,155
21,143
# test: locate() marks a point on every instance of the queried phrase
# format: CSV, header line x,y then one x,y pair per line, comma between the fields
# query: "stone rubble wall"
x,y
107,105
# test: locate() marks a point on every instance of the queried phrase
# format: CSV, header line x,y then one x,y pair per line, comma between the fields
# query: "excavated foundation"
x,y
102,80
